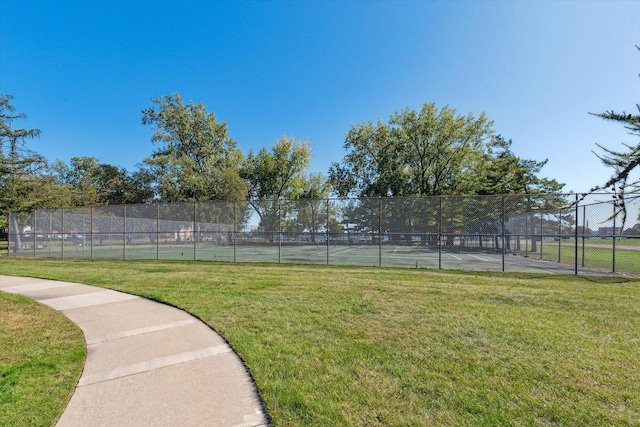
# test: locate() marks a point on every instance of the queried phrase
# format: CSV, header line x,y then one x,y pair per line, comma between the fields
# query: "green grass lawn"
x,y
41,357
361,346
623,241
627,261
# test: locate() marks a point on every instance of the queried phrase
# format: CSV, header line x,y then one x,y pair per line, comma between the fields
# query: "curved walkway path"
x,y
148,364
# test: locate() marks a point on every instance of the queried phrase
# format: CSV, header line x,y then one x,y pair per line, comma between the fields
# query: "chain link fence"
x,y
531,233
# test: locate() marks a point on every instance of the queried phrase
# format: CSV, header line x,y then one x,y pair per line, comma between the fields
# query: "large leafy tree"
x,y
89,182
279,171
416,153
277,175
196,159
433,152
430,152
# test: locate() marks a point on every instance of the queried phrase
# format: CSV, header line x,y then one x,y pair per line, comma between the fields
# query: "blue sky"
x,y
82,71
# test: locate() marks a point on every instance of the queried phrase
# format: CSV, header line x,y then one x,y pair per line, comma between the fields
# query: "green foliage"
x,y
622,183
24,182
433,152
89,183
277,176
197,160
278,172
505,173
20,168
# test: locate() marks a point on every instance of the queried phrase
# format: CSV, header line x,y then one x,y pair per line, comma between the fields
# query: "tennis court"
x,y
528,233
333,254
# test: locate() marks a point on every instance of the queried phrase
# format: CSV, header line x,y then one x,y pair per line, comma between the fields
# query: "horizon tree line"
x,y
415,153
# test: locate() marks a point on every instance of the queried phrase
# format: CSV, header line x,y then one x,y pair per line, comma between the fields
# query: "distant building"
x,y
633,231
608,231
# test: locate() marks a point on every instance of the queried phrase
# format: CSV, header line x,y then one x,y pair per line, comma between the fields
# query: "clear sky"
x,y
82,71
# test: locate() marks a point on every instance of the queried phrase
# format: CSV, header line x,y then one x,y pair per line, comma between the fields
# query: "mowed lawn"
x,y
596,256
360,346
41,357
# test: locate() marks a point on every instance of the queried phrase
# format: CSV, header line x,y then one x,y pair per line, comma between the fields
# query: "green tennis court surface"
x,y
321,253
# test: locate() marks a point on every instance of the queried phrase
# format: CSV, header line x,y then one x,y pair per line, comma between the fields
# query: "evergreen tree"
x,y
622,183
23,187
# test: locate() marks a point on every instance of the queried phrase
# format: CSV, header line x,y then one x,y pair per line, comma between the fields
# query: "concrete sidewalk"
x,y
148,364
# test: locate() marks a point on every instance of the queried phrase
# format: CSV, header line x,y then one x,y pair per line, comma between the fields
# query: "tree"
x,y
506,173
277,175
622,183
311,211
197,160
431,152
92,183
23,187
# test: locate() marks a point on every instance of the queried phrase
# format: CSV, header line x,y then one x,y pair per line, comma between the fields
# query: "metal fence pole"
x,y
327,232
33,232
50,231
235,228
440,232
380,232
124,233
504,246
9,235
195,233
559,233
314,235
526,235
62,235
541,233
584,215
91,232
157,230
576,239
279,231
613,234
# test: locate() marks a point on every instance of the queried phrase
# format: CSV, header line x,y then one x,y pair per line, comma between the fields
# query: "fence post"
x,y
559,233
91,232
195,233
124,232
613,234
526,234
576,239
380,232
50,231
279,231
504,246
62,235
327,232
440,232
157,231
541,234
9,235
584,216
33,232
235,228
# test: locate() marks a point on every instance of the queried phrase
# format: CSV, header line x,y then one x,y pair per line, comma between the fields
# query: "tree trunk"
x,y
17,237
